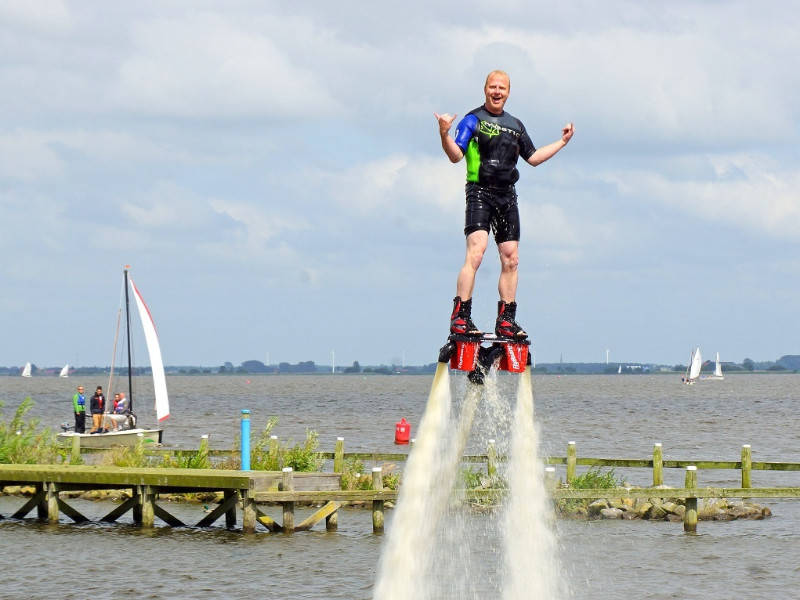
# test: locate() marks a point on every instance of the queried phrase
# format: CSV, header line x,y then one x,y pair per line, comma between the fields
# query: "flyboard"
x,y
476,354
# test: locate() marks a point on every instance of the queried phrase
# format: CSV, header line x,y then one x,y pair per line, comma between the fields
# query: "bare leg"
x,y
476,246
509,259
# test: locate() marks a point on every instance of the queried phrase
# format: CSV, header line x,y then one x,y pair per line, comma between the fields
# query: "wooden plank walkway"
x,y
239,488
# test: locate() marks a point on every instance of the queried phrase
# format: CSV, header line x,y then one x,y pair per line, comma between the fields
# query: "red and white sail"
x,y
154,351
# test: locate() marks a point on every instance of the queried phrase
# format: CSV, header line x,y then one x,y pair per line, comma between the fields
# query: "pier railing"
x,y
246,488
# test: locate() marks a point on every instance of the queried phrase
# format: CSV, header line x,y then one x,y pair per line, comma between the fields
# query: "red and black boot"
x,y
461,319
506,326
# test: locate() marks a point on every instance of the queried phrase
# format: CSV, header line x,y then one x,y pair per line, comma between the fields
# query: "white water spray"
x,y
529,542
433,546
403,562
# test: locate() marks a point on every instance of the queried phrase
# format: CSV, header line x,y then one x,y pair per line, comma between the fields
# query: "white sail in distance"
x,y
697,363
154,351
718,368
64,371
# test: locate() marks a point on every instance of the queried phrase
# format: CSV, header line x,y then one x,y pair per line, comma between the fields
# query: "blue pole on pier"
x,y
245,439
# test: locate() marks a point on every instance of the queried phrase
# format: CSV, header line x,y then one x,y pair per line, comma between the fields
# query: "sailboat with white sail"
x,y
693,370
717,375
26,370
64,371
128,433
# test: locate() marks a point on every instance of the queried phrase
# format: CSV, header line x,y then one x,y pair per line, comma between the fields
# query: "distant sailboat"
x,y
64,371
717,371
693,370
26,372
619,370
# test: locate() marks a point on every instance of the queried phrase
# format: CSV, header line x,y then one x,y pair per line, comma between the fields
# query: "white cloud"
x,y
259,225
41,15
31,155
28,155
208,66
416,186
691,84
750,192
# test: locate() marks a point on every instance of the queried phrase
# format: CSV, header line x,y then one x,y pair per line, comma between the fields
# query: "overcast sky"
x,y
273,174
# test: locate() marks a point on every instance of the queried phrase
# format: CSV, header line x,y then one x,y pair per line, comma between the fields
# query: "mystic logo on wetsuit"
x,y
492,144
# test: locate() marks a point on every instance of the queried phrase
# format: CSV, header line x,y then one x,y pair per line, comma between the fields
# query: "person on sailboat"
x,y
96,406
79,408
121,407
492,140
121,411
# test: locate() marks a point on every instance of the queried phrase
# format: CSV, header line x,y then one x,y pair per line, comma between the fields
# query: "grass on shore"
x,y
22,442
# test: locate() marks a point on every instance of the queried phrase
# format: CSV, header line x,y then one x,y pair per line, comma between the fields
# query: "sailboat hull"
x,y
129,437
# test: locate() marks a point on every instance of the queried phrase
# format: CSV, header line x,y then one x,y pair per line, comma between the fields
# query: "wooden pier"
x,y
242,490
238,488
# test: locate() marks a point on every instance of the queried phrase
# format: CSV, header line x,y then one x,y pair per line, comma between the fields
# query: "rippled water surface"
x,y
610,416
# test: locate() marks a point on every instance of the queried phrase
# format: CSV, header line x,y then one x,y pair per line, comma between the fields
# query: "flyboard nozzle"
x,y
446,351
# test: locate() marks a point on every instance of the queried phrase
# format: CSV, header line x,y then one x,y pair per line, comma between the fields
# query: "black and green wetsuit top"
x,y
492,144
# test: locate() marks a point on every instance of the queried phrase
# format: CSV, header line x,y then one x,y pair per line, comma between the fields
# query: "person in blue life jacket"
x,y
492,140
79,408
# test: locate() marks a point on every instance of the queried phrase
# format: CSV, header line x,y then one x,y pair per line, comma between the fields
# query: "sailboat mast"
x,y
128,335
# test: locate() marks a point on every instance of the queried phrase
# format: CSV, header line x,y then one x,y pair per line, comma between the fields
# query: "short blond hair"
x,y
498,72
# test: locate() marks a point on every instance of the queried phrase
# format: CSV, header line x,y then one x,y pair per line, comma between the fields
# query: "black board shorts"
x,y
492,209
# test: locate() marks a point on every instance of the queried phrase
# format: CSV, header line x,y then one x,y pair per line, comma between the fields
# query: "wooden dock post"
x,y
491,459
248,511
658,465
332,521
287,485
377,505
690,516
75,455
747,465
572,461
338,456
148,506
51,496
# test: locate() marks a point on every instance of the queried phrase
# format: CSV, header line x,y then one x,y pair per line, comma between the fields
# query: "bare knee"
x,y
476,248
509,260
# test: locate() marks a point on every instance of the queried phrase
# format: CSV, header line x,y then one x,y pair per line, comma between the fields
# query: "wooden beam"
x,y
71,512
34,502
322,513
169,519
120,510
230,514
222,508
267,521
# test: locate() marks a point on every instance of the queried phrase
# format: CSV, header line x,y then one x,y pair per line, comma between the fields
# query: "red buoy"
x,y
402,431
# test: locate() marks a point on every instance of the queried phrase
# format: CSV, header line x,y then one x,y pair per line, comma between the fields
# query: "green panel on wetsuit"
x,y
473,160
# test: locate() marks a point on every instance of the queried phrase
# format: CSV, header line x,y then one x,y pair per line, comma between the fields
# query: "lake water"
x,y
608,416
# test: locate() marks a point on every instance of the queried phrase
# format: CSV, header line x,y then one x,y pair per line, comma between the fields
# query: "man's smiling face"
x,y
496,89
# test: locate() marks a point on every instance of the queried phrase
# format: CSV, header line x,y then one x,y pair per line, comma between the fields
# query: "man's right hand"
x,y
445,122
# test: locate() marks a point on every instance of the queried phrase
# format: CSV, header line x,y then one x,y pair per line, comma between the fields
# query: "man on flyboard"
x,y
492,140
